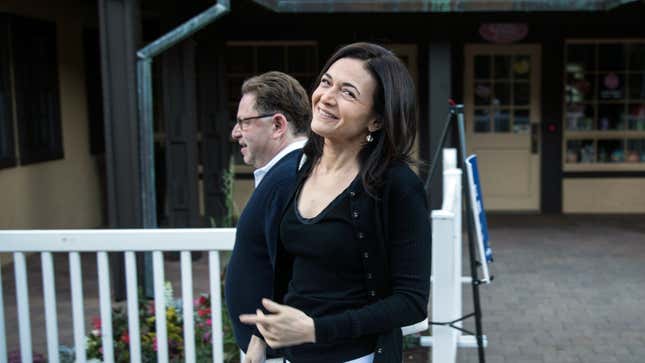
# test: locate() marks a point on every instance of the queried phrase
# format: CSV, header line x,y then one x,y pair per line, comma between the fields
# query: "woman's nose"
x,y
328,96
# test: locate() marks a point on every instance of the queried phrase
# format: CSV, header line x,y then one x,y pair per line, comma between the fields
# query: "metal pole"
x,y
471,227
146,116
437,152
184,30
146,143
147,161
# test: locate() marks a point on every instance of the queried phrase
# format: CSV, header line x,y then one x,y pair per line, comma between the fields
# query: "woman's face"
x,y
342,104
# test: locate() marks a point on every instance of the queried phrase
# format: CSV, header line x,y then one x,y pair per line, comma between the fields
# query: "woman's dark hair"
x,y
395,106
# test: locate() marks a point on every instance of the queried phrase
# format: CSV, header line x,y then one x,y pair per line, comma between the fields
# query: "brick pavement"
x,y
566,289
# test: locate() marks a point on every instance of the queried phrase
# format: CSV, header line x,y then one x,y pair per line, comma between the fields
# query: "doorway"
x,y
502,114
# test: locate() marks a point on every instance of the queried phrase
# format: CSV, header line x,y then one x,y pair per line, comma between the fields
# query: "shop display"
x,y
604,105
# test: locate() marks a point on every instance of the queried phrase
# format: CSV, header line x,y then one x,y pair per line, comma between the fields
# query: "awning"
x,y
436,6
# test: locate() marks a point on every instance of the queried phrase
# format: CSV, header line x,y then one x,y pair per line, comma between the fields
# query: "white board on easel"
x,y
479,216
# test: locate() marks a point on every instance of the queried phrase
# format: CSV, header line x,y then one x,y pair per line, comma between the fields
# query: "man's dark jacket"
x,y
249,272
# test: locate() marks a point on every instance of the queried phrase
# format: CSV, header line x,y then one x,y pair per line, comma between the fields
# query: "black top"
x,y
327,275
250,270
392,231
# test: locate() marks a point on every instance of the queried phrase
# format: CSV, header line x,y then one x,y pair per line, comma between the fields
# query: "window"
x,y
247,59
29,80
502,93
604,105
35,64
91,46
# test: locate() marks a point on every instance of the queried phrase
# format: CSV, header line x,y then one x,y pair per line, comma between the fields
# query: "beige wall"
x,y
62,193
610,195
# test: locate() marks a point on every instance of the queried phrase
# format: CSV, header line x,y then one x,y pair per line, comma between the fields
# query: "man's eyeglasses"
x,y
243,123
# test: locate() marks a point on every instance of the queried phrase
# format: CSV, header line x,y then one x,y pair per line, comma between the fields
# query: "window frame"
x,y
35,89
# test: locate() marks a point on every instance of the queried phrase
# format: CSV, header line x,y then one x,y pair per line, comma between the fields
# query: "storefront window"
x,y
604,105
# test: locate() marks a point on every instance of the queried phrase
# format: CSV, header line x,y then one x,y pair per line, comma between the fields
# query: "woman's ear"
x,y
374,125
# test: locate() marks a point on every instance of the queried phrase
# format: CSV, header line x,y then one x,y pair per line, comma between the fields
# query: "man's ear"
x,y
280,125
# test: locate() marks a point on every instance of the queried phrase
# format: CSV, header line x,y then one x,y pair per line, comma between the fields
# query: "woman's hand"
x,y
256,353
284,327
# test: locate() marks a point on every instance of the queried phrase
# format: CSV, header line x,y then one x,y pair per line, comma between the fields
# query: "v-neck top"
x,y
339,199
328,275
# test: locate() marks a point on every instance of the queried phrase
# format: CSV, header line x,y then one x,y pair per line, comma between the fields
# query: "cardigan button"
x,y
366,255
355,214
352,193
368,275
379,351
372,293
360,235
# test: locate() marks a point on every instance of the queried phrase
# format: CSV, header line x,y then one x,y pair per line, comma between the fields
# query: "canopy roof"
x,y
436,6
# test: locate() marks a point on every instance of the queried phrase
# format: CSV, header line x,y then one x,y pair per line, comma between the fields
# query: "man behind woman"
x,y
272,123
353,255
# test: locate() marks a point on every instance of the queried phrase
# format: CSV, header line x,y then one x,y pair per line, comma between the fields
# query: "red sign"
x,y
503,32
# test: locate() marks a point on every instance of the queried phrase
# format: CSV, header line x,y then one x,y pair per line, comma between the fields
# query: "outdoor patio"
x,y
566,289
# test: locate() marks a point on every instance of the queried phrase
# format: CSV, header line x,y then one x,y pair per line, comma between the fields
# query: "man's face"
x,y
255,135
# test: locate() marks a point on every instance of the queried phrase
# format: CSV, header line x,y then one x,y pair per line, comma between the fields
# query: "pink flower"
x,y
208,321
96,322
125,337
203,312
207,337
202,300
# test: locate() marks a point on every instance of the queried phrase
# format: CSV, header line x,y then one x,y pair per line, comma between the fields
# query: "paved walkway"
x,y
566,289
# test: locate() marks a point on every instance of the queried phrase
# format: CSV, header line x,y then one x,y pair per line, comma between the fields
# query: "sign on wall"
x,y
503,33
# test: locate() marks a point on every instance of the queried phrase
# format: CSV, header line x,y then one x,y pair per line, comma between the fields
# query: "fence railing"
x,y
101,242
446,264
446,280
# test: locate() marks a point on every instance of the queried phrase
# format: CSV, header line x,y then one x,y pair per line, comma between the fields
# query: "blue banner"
x,y
479,213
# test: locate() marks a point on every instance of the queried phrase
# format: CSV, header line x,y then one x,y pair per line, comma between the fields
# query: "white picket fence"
x,y
447,280
102,242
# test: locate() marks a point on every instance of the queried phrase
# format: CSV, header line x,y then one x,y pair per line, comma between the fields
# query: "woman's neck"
x,y
339,158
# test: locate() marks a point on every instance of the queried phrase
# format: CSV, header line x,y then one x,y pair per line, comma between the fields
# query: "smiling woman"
x,y
343,102
352,263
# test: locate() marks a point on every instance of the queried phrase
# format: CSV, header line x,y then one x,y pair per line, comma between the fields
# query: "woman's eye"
x,y
325,82
349,93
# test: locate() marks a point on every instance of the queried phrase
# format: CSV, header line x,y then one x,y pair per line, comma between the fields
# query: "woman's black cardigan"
x,y
397,268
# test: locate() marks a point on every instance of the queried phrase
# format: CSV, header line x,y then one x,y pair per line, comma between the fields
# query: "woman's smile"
x,y
327,115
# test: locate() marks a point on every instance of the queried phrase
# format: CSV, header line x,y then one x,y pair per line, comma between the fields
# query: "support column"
x,y
120,38
215,125
180,117
440,90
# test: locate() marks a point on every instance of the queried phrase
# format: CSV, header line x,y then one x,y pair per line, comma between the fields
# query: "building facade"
x,y
554,95
554,99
